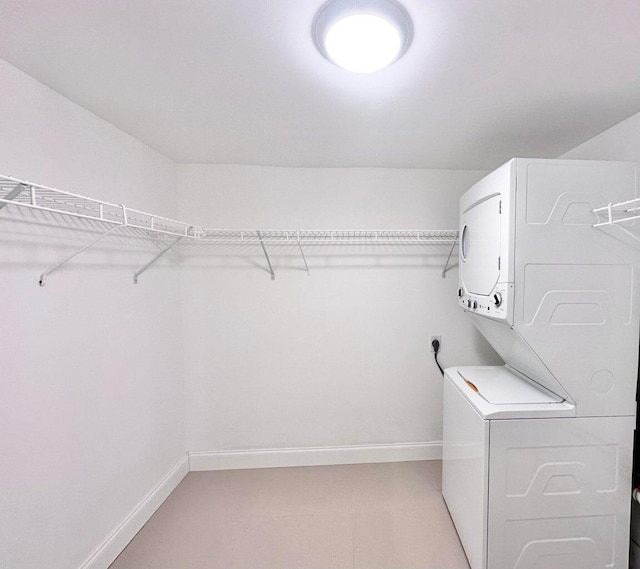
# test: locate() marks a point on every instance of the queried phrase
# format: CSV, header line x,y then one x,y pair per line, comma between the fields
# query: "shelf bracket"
x,y
13,194
264,250
302,252
160,254
50,270
446,265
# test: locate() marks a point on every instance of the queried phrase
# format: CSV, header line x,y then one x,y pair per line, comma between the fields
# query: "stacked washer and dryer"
x,y
537,455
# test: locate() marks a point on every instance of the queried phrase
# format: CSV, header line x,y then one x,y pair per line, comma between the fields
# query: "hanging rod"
x,y
24,194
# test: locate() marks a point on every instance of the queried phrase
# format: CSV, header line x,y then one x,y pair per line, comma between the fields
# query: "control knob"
x,y
460,292
497,299
468,304
475,304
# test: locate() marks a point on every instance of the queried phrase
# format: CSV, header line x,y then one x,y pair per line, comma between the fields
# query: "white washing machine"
x,y
537,455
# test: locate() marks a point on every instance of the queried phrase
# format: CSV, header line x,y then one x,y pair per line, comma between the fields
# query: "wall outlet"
x,y
431,339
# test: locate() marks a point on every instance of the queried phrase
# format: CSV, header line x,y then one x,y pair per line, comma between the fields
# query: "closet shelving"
x,y
620,212
120,220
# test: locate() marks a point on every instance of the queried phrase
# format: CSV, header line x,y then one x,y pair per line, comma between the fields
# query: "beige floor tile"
x,y
167,542
425,474
297,542
389,516
406,539
304,495
227,493
394,492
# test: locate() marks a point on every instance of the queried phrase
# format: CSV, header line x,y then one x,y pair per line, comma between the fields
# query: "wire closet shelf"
x,y
132,222
615,213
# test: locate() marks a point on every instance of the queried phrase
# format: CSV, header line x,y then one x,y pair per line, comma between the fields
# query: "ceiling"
x,y
240,81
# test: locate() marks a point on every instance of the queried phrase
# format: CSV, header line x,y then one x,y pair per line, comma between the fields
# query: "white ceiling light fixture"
x,y
362,36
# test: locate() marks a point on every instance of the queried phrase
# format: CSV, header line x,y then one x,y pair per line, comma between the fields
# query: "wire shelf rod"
x,y
46,199
143,225
40,193
293,237
634,201
616,221
93,218
621,208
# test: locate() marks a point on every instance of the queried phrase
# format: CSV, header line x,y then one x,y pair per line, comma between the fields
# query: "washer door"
x,y
480,246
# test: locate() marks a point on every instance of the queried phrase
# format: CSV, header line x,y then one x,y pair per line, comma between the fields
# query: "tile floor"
x,y
369,516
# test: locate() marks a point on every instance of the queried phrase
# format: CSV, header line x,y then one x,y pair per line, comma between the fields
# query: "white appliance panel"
x,y
576,286
559,493
465,473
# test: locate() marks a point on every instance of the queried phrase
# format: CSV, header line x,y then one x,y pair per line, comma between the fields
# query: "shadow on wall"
x,y
484,349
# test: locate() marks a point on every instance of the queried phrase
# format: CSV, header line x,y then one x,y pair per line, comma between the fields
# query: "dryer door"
x,y
480,246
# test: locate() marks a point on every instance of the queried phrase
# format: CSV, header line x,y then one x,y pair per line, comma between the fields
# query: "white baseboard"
x,y
279,457
124,532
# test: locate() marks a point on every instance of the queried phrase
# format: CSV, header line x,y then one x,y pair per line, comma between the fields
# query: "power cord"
x,y
435,344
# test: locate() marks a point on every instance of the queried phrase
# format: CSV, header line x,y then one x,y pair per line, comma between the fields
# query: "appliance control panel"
x,y
494,306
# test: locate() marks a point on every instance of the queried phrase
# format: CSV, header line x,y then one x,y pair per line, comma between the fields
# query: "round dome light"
x,y
362,35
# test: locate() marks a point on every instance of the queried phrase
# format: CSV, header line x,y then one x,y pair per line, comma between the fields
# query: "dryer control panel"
x,y
496,305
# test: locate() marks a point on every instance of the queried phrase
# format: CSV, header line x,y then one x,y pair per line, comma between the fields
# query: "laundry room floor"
x,y
369,516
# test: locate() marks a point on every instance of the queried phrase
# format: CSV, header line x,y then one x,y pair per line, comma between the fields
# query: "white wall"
x,y
620,142
92,409
340,357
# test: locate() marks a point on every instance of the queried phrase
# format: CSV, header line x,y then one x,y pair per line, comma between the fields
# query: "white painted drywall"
x,y
91,411
337,358
620,142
